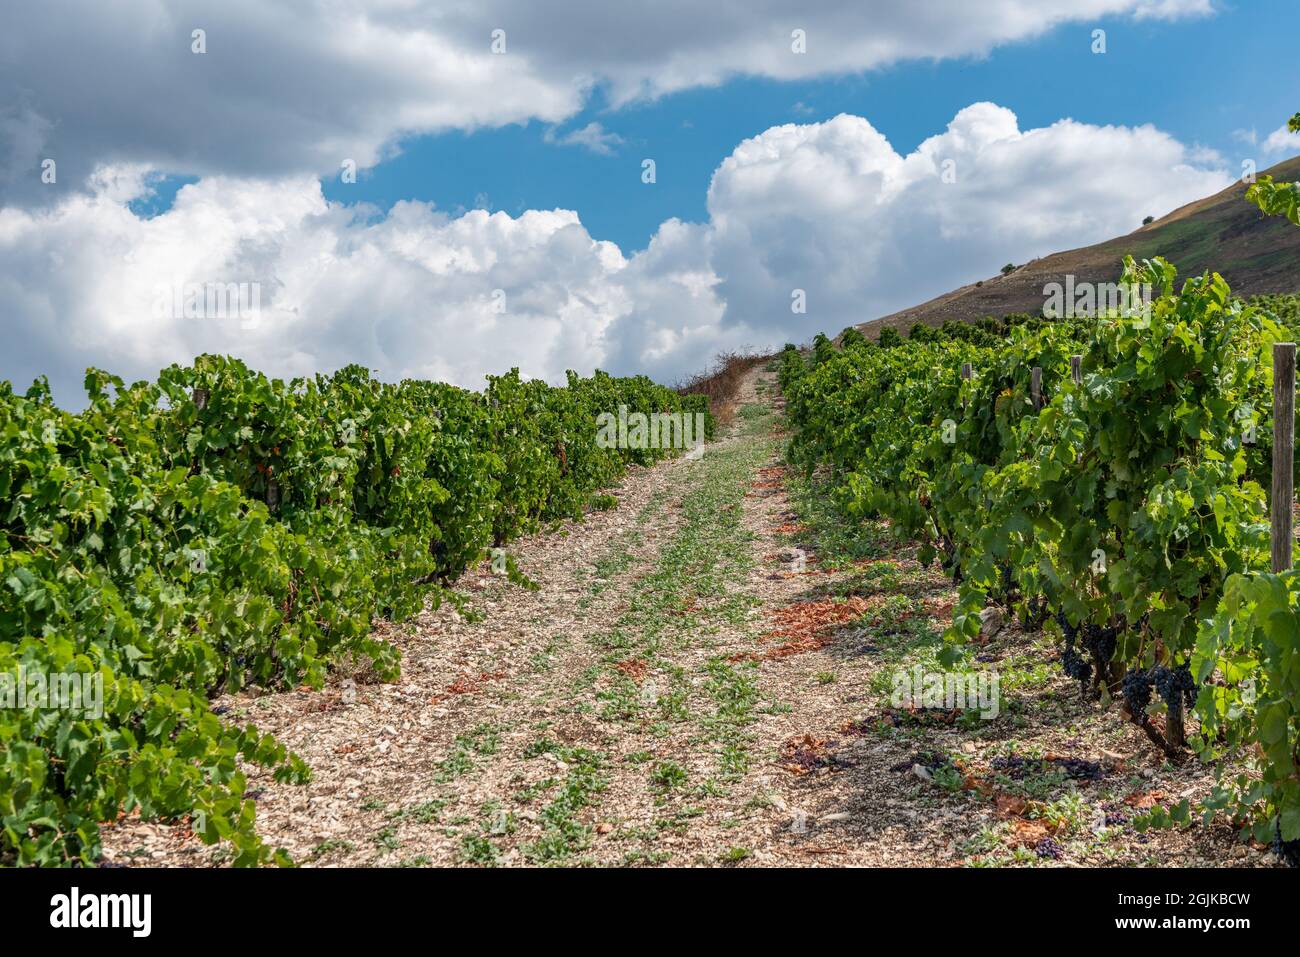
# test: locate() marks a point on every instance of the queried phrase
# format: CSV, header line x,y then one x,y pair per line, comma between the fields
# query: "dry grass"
x,y
721,382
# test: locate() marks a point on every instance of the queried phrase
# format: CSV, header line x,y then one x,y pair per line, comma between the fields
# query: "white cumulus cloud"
x,y
832,209
593,136
828,208
412,292
1282,140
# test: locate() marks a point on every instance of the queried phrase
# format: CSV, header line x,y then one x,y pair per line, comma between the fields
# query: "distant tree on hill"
x,y
956,329
1148,220
1008,268
851,338
920,332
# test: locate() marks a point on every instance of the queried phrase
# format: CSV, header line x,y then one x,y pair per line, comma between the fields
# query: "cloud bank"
x,y
828,208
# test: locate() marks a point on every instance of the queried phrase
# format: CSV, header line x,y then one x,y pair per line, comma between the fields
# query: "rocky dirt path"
x,y
692,683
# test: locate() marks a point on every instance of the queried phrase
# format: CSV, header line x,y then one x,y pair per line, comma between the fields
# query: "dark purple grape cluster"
x,y
1016,767
1072,663
1175,684
1136,689
1289,851
1048,848
930,760
1013,766
1100,641
1080,770
1116,818
1067,629
1036,611
1075,667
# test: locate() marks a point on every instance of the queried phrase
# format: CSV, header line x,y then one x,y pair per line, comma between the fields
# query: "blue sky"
x,y
1198,79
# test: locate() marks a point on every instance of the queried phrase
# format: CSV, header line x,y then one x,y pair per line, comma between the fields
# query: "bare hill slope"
x,y
1255,253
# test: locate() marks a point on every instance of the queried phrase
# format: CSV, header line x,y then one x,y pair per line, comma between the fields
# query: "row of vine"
x,y
218,528
1124,511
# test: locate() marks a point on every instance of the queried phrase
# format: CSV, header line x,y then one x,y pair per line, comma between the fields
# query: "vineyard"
x,y
217,543
677,659
1118,501
217,529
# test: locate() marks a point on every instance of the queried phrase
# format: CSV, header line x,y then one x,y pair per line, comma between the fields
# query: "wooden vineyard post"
x,y
966,370
1283,452
1036,388
1076,373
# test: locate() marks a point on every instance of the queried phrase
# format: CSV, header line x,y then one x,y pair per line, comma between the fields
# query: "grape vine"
x,y
1129,506
217,529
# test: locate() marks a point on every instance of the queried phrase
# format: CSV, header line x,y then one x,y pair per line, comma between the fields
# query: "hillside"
x,y
1256,254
